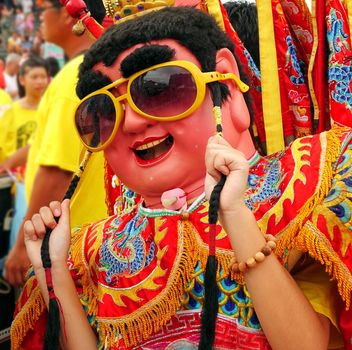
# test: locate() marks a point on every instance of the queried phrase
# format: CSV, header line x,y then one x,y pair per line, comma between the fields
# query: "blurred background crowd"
x,y
21,37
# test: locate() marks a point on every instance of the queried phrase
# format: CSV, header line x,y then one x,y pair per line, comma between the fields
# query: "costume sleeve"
x,y
326,235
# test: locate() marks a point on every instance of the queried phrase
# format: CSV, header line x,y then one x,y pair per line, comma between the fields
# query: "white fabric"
x,y
11,83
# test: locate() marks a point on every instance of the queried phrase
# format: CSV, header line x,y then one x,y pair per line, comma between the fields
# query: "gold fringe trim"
x,y
150,318
26,318
311,240
304,236
332,149
77,254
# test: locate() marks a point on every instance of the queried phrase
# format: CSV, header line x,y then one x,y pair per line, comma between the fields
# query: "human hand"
x,y
222,158
59,243
17,265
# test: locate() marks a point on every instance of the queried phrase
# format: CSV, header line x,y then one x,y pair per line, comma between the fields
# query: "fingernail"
x,y
34,238
57,212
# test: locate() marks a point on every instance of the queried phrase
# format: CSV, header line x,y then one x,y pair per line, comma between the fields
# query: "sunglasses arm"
x,y
211,77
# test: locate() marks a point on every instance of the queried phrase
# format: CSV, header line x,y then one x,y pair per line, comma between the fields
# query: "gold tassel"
x,y
78,28
218,119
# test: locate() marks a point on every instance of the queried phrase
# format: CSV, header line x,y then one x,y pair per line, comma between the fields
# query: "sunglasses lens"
x,y
165,91
95,120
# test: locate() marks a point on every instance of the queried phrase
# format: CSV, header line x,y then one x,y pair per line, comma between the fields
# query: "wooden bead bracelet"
x,y
257,258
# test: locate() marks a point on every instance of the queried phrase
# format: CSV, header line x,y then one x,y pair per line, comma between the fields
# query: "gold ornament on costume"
x,y
79,28
120,10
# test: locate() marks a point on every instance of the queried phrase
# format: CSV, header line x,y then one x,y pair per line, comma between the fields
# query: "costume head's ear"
x,y
235,106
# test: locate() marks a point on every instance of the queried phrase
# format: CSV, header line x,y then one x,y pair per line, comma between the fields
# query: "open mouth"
x,y
154,150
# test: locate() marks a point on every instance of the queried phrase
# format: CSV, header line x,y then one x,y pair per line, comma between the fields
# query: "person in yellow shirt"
x,y
56,149
18,125
5,104
20,120
56,143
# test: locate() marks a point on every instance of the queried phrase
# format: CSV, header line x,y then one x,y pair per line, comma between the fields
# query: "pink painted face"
x,y
151,157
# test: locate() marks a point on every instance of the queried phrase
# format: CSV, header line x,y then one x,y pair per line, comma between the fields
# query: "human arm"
x,y
19,158
286,316
73,316
50,184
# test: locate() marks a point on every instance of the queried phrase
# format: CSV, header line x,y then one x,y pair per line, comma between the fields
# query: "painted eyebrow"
x,y
144,57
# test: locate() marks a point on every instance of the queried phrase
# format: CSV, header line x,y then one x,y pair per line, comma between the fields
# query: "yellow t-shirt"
x,y
322,294
5,104
5,98
56,143
18,124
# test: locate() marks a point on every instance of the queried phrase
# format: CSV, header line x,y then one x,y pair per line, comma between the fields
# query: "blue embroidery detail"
x,y
339,199
252,65
336,32
296,64
125,241
339,74
342,76
264,188
233,301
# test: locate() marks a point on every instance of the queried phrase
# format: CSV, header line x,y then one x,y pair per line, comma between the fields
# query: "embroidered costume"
x,y
140,274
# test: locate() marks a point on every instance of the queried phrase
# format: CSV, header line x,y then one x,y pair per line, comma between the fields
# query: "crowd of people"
x,y
129,257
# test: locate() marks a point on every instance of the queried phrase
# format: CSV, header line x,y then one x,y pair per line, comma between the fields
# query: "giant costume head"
x,y
155,116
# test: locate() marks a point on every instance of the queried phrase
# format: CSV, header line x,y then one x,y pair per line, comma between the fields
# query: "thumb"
x,y
65,213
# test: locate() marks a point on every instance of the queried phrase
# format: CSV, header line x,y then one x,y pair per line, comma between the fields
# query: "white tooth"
x,y
151,144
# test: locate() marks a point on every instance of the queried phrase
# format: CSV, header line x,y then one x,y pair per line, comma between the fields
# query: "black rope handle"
x,y
53,328
211,289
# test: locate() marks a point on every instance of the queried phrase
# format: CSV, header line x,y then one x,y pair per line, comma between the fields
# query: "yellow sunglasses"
x,y
165,92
